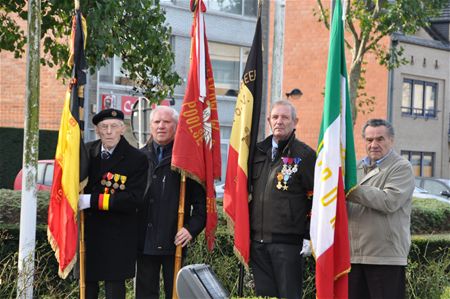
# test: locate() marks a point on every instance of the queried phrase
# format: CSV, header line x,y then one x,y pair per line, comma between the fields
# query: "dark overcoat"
x,y
158,219
111,235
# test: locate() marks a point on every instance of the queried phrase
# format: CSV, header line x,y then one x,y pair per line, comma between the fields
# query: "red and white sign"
x,y
127,104
108,101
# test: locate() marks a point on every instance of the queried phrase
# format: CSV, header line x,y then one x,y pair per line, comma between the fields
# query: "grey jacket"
x,y
379,213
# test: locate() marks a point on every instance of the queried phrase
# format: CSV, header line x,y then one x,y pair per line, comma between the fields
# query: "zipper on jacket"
x,y
163,186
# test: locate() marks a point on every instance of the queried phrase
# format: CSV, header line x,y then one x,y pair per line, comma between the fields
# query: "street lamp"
x,y
295,94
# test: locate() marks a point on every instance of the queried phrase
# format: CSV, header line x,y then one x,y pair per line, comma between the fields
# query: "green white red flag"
x,y
335,174
243,139
70,172
196,149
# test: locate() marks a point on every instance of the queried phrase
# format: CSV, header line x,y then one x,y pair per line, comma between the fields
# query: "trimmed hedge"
x,y
429,216
12,147
427,271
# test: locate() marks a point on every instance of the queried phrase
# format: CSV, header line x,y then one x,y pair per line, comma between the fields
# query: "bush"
x,y
427,271
428,268
429,216
10,202
11,161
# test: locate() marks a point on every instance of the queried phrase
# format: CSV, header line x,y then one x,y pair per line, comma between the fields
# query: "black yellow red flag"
x,y
70,172
243,139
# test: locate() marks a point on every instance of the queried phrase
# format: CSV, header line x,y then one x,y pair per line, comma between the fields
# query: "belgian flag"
x,y
70,172
243,139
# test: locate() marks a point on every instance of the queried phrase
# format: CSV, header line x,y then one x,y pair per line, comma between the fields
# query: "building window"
x,y
422,162
112,73
240,7
419,98
228,63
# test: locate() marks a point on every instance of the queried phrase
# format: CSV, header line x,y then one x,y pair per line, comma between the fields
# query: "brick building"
x,y
230,32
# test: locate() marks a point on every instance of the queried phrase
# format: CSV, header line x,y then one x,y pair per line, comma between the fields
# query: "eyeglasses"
x,y
104,127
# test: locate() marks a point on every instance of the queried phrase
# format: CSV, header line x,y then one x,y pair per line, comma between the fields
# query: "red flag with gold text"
x,y
196,150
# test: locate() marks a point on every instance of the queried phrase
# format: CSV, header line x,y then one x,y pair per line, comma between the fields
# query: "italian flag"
x,y
335,174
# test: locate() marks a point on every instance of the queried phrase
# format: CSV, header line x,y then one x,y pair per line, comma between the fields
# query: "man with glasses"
x,y
117,180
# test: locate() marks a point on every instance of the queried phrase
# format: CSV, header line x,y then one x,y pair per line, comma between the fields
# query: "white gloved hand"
x,y
84,202
306,249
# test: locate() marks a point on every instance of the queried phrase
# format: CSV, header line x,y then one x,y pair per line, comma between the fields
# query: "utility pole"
x,y
278,52
28,208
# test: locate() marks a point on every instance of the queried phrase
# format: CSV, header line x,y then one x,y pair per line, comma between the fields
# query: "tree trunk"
x,y
354,77
30,156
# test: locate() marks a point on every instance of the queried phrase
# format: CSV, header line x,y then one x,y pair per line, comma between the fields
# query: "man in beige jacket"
x,y
379,211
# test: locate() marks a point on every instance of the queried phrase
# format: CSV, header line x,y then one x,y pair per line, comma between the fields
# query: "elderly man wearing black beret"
x,y
117,181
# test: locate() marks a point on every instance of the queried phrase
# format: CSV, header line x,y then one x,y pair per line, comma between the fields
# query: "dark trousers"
x,y
277,269
148,273
113,289
376,282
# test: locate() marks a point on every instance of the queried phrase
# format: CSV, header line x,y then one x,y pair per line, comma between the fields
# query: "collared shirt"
x,y
110,151
159,150
274,148
370,166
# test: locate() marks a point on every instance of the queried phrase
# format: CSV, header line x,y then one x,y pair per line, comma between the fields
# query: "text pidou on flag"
x,y
70,171
243,139
196,149
335,174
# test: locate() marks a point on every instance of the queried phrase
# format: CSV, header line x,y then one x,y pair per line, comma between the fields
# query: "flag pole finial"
x,y
77,4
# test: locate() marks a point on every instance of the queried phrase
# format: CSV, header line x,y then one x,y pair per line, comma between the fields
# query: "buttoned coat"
x,y
159,217
379,212
111,235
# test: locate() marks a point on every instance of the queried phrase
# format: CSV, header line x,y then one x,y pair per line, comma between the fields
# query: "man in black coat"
x,y
117,180
158,235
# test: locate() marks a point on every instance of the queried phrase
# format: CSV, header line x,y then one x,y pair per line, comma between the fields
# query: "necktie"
x,y
274,152
160,153
105,155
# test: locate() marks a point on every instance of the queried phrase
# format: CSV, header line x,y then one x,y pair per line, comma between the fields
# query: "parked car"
x,y
44,176
219,190
422,193
436,186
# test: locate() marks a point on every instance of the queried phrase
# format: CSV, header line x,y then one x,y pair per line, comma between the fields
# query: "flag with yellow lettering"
x,y
243,139
335,174
196,149
70,170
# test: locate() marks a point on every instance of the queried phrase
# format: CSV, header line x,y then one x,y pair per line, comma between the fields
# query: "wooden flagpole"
x,y
82,258
82,248
178,251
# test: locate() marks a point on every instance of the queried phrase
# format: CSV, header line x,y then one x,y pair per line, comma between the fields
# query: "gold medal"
x,y
279,178
123,179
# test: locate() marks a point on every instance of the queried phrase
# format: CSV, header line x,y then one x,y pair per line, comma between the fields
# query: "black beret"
x,y
107,114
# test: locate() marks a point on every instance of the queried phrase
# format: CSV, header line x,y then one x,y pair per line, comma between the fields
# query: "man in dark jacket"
x,y
158,235
282,182
117,180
